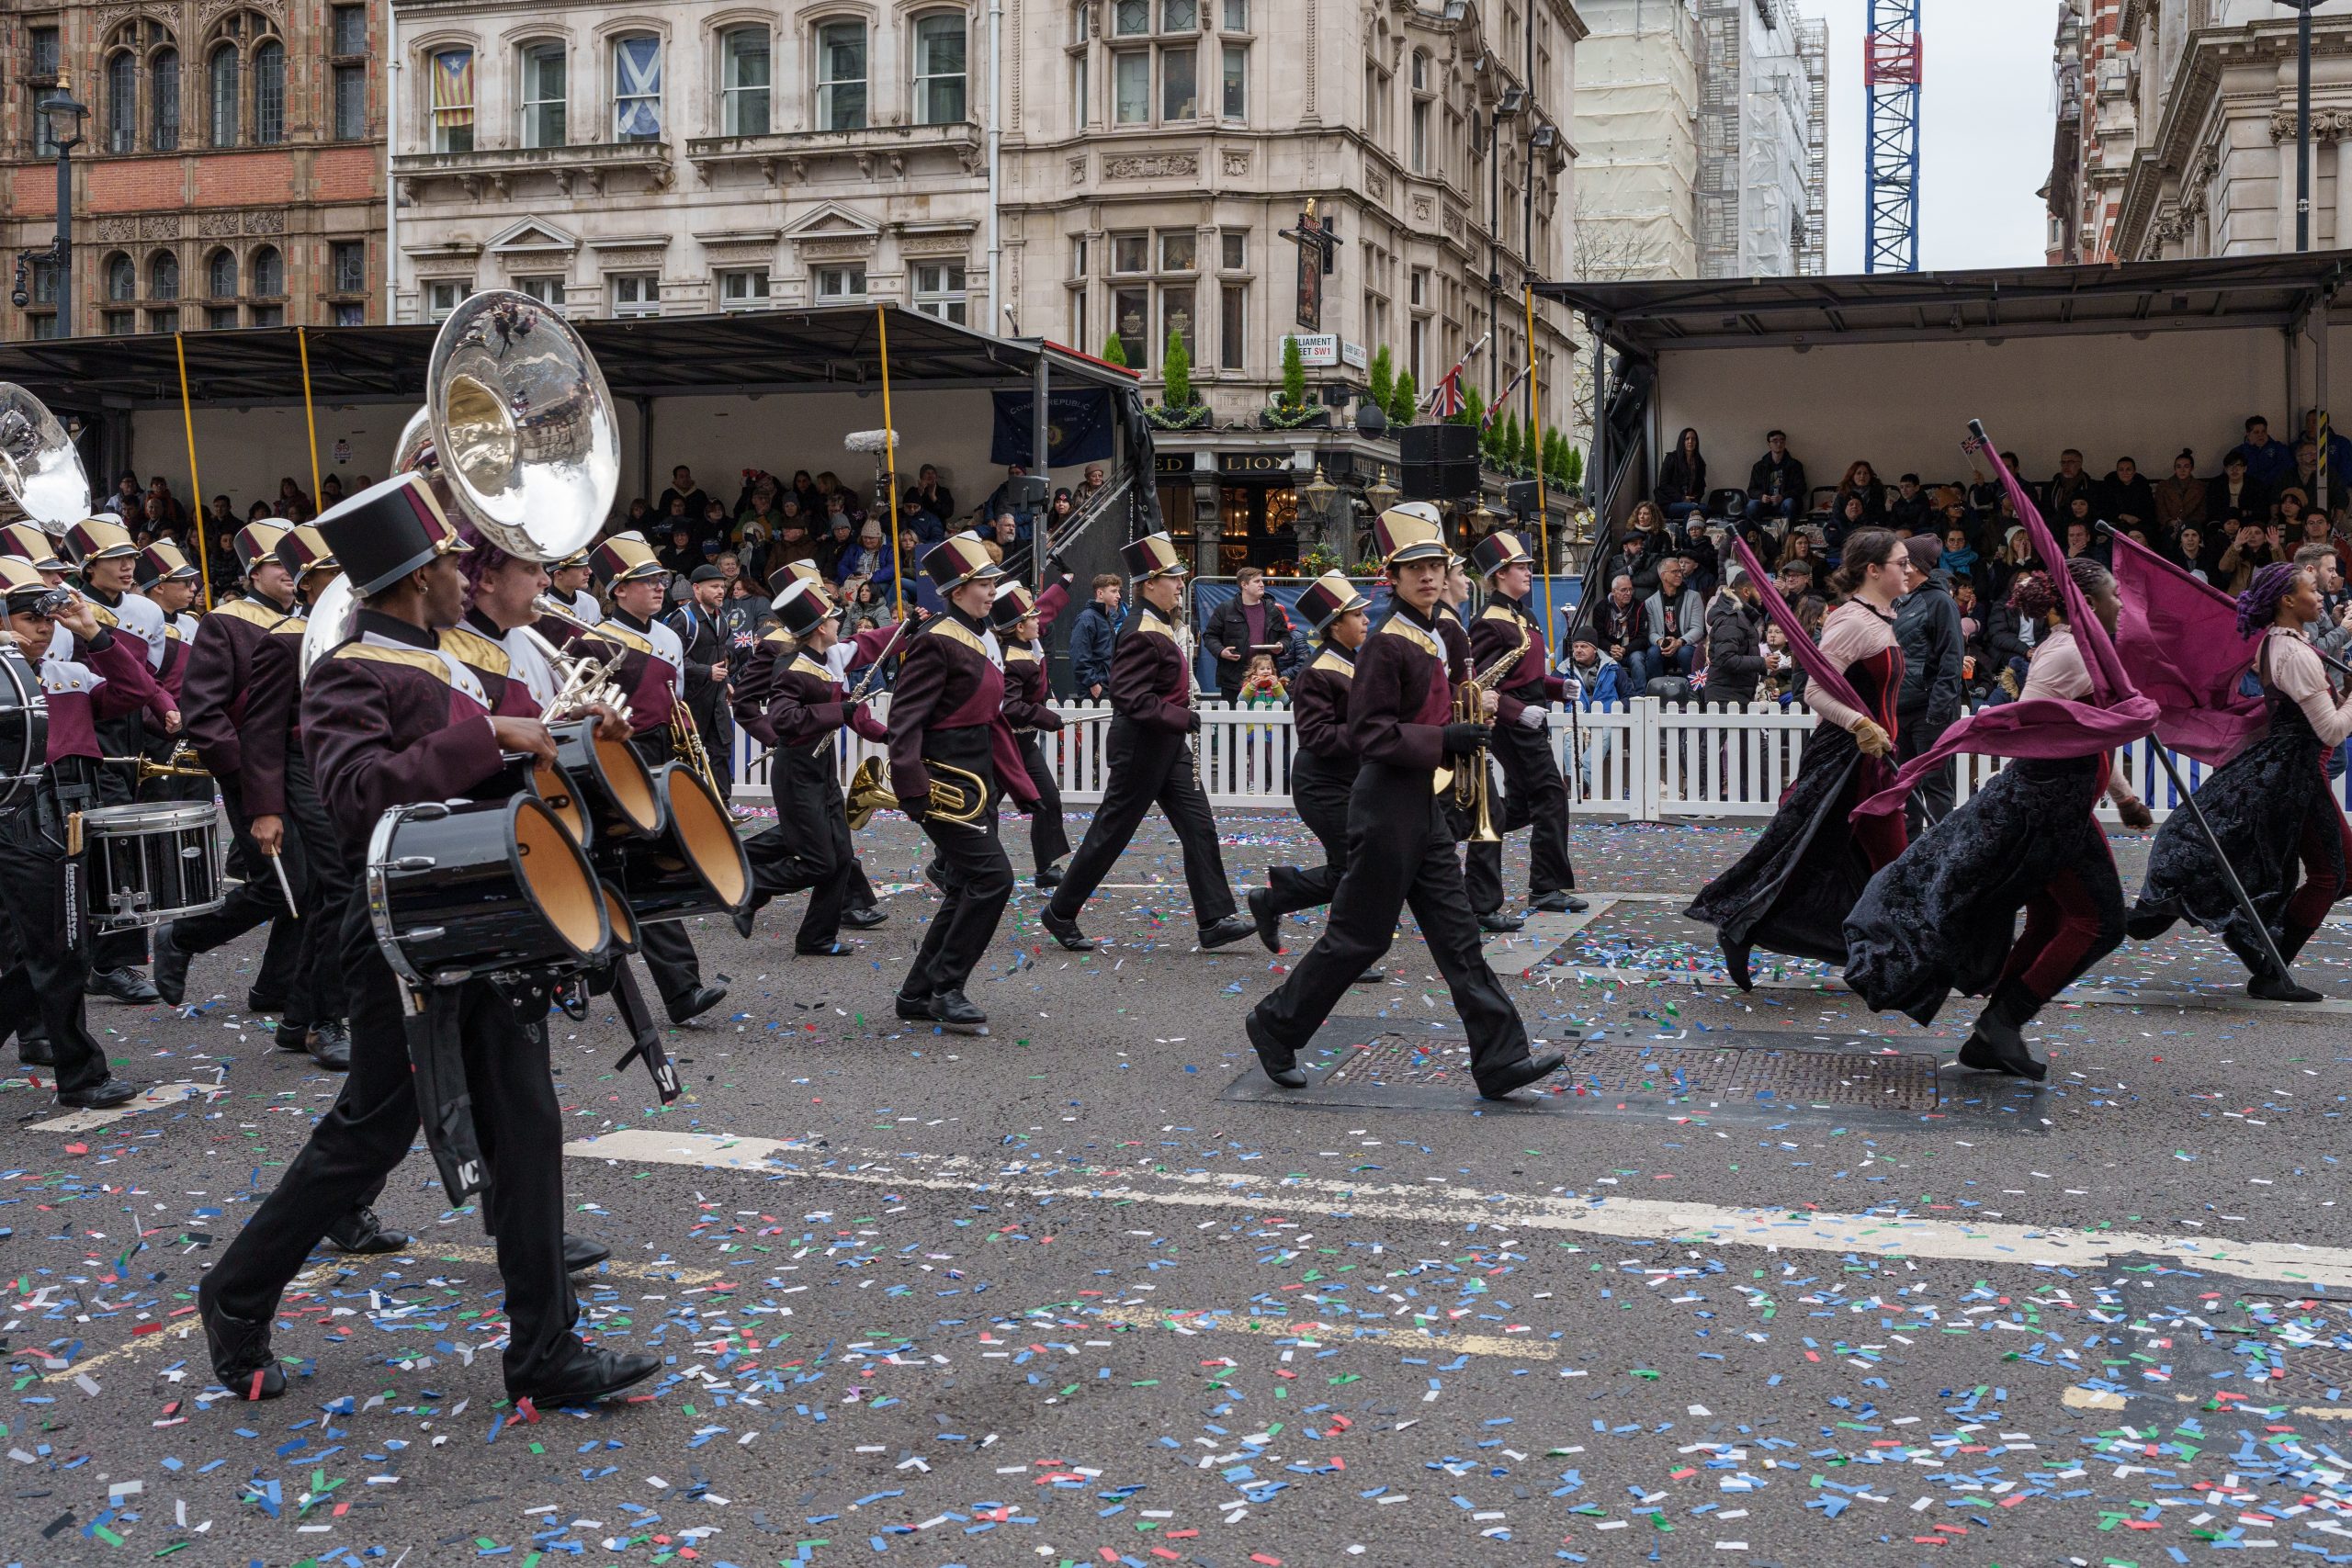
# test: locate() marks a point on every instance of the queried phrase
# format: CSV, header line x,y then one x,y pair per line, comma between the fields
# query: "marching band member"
x,y
805,714
38,837
393,720
1151,761
334,864
241,688
947,712
651,677
1019,627
1513,628
103,554
165,579
1323,766
567,585
28,543
1453,601
1401,726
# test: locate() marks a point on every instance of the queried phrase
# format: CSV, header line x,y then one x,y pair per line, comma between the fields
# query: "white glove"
x,y
1532,718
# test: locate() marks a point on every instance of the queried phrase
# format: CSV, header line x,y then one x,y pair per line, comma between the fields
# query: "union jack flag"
x,y
1445,399
1495,409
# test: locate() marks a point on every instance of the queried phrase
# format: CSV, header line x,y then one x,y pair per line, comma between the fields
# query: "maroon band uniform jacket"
x,y
387,721
238,696
1493,635
948,704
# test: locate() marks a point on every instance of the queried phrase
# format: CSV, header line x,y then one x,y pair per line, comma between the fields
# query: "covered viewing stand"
x,y
2137,359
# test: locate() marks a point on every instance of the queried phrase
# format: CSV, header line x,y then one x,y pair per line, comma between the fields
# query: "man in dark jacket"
x,y
1636,560
1926,624
1619,625
1250,623
1735,642
707,650
2125,498
1776,484
1091,637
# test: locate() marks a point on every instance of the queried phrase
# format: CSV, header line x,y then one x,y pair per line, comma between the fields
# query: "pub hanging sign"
x,y
1318,246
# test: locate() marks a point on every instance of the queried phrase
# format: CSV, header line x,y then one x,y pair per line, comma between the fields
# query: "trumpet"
x,y
1470,783
183,765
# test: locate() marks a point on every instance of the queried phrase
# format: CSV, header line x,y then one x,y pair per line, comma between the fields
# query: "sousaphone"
x,y
40,472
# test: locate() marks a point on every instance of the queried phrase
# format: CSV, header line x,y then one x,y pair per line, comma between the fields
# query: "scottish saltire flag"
x,y
637,89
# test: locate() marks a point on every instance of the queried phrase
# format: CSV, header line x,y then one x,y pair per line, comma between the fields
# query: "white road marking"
x,y
1316,1331
1894,1236
154,1098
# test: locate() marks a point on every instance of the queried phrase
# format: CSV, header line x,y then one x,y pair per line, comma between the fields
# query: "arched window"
x,y
164,97
270,92
268,274
939,69
122,103
164,277
123,277
221,275
221,74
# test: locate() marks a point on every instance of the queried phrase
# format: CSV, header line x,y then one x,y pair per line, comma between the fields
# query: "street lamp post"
x,y
2302,120
64,117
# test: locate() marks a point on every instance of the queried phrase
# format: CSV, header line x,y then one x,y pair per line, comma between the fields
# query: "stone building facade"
x,y
232,166
621,159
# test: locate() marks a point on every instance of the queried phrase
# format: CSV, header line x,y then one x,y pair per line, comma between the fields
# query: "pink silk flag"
x,y
2178,637
2045,727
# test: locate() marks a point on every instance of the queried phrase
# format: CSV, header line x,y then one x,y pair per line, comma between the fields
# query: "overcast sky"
x,y
1986,117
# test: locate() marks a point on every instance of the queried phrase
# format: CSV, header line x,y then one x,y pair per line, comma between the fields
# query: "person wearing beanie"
x,y
1926,624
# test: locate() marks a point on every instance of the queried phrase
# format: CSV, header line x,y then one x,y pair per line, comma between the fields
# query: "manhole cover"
x,y
2323,1365
1769,1076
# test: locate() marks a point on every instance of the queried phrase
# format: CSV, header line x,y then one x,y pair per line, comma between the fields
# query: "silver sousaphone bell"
x,y
40,472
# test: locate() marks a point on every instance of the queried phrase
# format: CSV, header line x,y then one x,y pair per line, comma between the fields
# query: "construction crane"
x,y
1890,84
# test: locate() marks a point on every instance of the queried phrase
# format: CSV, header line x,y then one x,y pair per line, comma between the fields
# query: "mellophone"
x,y
556,870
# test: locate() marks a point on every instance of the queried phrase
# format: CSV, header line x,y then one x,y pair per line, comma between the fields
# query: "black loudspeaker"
x,y
1440,461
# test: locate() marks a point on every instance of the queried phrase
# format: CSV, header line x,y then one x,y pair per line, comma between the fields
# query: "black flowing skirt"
x,y
1790,892
2257,804
1943,918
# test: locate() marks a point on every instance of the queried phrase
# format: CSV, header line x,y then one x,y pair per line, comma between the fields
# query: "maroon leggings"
x,y
2065,932
2322,887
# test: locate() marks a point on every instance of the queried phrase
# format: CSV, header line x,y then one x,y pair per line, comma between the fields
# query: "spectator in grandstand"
x,y
1621,625
1682,478
2125,498
1775,483
1961,563
1852,515
1735,664
1636,559
2180,499
2070,481
2236,490
2191,553
1799,553
2016,557
2255,545
2339,455
1677,622
1862,480
1909,511
1986,494
1800,589
2269,463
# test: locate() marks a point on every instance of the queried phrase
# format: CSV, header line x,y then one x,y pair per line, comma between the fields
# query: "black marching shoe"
x,y
262,1001
2281,988
1228,932
697,1002
1498,922
359,1231
99,1096
124,985
1282,1065
240,1355
744,919
291,1037
1370,977
582,1254
1520,1074
912,1010
171,967
1065,932
1995,1046
1050,875
829,950
587,1375
1559,904
862,919
34,1048
329,1045
1264,918
1735,962
954,1013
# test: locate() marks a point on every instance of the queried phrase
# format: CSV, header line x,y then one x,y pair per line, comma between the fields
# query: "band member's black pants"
x,y
1048,839
1150,767
1320,791
47,976
978,877
1534,797
258,900
333,869
369,1131
1399,852
808,850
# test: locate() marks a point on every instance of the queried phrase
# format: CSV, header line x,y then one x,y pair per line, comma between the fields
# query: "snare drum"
x,y
151,862
697,864
24,728
480,887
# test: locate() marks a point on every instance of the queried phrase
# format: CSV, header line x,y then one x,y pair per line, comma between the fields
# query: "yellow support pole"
x,y
309,421
196,482
890,463
1536,440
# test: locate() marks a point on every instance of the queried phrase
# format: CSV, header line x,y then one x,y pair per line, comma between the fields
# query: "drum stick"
x,y
285,886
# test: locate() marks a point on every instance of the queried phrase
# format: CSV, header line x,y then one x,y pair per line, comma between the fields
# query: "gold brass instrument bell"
x,y
959,797
1471,783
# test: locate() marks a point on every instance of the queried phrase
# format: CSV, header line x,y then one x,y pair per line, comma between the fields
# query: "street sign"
x,y
1319,350
1353,355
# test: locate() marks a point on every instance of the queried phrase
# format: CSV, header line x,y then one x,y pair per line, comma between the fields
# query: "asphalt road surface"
x,y
1756,1281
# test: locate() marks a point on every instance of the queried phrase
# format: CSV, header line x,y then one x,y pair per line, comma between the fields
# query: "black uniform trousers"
x,y
258,900
334,868
976,876
1533,797
1048,839
1400,851
668,950
1150,767
808,849
1319,792
367,1135
1931,798
46,972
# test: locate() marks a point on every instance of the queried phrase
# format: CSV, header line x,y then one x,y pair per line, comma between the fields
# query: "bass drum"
x,y
481,888
694,866
615,787
24,728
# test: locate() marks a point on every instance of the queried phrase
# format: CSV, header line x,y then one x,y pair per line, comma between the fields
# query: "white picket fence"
x,y
1644,761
